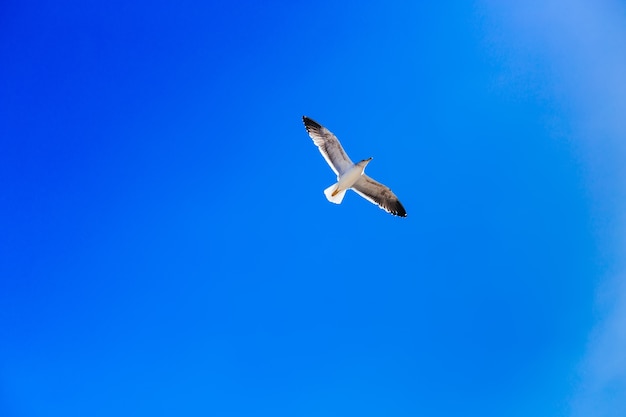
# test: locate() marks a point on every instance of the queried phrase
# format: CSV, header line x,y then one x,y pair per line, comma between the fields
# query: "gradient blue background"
x,y
166,249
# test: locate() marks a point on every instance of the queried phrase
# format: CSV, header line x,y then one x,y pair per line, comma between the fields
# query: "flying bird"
x,y
349,174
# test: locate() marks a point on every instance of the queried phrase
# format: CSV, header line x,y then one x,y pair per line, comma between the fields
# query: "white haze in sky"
x,y
584,45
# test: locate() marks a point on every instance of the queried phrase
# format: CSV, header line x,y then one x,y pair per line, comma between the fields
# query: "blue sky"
x,y
166,248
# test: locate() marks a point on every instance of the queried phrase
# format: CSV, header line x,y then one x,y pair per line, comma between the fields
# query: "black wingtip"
x,y
399,210
310,123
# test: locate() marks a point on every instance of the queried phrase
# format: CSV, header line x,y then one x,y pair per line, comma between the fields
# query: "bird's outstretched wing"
x,y
379,194
328,145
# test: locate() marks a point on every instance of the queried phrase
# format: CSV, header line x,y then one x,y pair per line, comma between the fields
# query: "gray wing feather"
x,y
329,146
379,194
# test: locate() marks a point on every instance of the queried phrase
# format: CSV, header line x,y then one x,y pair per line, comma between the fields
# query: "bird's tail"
x,y
332,195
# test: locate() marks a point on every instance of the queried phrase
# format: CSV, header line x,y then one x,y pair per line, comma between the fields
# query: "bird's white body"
x,y
345,181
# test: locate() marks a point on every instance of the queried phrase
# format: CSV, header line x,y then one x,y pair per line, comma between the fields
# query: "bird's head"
x,y
365,161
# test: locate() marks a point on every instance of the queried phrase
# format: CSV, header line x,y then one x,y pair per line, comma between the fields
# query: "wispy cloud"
x,y
583,41
603,387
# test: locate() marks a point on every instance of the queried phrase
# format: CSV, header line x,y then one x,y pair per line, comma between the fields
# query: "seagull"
x,y
349,174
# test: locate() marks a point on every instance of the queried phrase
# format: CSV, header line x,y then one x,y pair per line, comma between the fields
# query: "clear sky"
x,y
166,248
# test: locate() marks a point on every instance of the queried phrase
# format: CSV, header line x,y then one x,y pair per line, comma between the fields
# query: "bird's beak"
x,y
370,158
